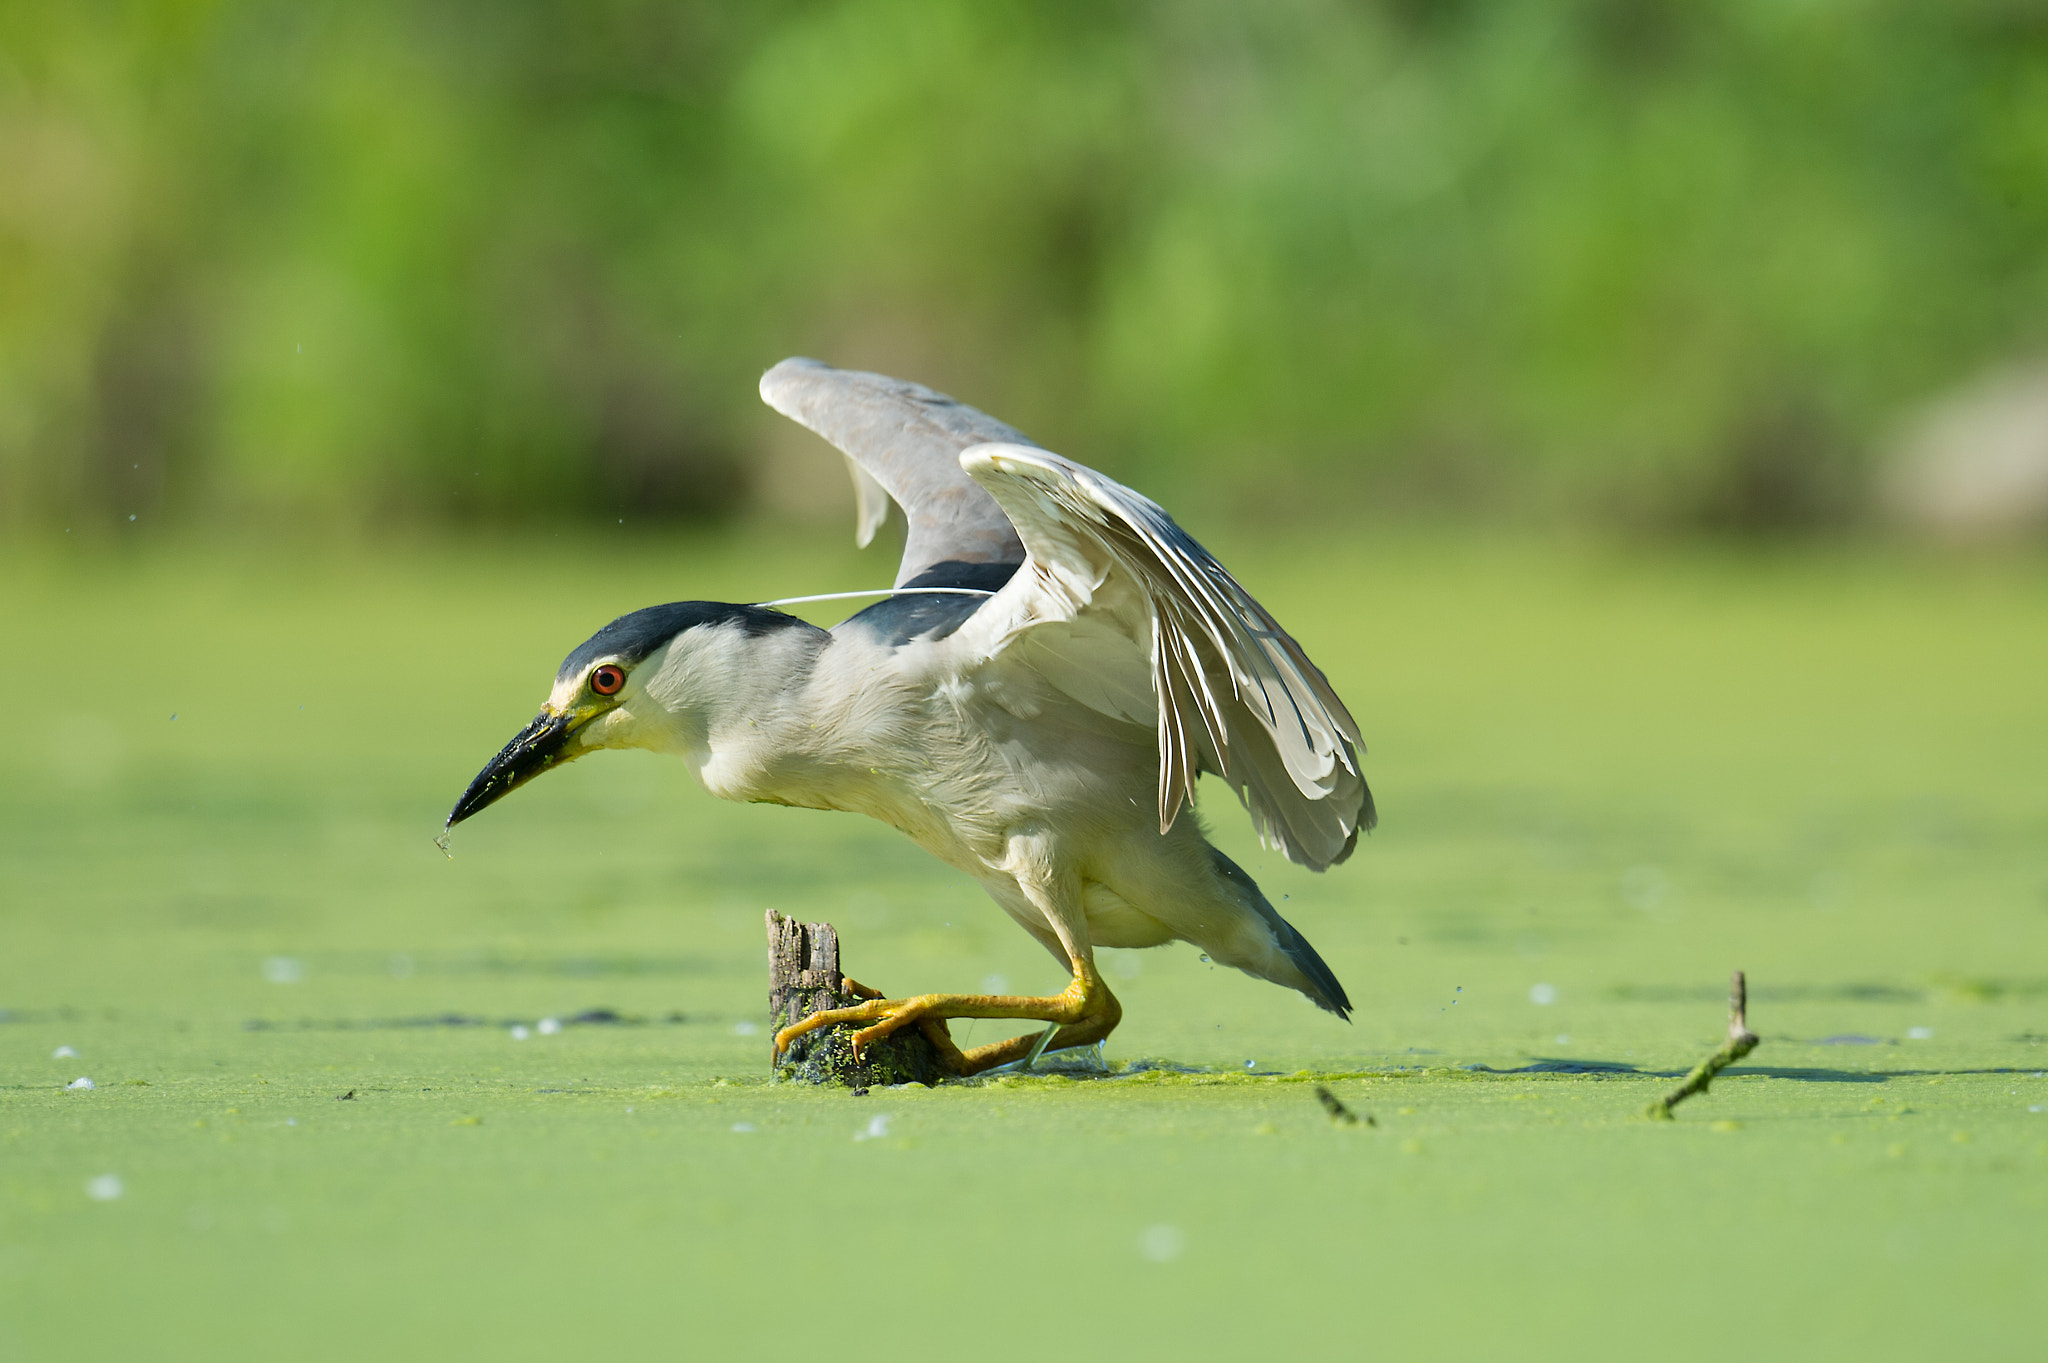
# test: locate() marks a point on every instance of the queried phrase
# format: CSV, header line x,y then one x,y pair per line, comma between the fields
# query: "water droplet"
x,y
1161,1244
81,1082
105,1188
550,1026
519,1032
63,1053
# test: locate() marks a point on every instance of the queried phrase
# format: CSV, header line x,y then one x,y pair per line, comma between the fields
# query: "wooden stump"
x,y
804,978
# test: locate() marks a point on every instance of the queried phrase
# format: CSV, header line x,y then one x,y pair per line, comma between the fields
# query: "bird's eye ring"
x,y
607,680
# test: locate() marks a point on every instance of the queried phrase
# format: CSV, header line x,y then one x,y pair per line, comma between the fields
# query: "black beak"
x,y
532,751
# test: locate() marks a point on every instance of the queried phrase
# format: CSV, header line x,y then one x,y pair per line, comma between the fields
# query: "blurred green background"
x,y
1642,262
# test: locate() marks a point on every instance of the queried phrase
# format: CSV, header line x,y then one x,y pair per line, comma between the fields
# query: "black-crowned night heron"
x,y
1033,703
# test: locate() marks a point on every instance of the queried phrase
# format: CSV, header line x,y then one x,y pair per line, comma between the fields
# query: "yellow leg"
x,y
1085,1033
1085,1010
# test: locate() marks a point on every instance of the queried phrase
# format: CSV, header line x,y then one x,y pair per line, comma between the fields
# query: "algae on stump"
x,y
804,978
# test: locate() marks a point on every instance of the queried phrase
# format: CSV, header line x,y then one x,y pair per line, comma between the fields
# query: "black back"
x,y
918,615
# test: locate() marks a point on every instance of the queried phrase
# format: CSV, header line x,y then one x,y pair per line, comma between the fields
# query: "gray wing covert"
x,y
902,442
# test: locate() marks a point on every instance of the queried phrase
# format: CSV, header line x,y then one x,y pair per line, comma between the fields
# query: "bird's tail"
x,y
1320,981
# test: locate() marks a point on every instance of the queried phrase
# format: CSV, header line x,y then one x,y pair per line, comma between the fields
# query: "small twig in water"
x,y
1741,1041
1334,1105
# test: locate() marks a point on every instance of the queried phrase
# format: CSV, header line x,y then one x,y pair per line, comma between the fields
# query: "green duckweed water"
x,y
1607,777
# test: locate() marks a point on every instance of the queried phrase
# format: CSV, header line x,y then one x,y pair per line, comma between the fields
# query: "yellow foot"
x,y
1085,1011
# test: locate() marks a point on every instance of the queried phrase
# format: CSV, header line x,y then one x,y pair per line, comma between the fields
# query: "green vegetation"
x,y
1613,773
373,260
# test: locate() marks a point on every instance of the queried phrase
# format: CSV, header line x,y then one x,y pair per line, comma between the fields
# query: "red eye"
x,y
607,680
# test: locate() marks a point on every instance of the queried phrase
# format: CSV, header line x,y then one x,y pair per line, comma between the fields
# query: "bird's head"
x,y
642,681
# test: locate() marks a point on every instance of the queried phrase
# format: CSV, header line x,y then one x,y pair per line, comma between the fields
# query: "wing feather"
x,y
902,443
1115,604
870,503
1235,693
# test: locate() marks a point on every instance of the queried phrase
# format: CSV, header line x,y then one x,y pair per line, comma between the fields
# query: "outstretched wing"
x,y
1120,608
902,442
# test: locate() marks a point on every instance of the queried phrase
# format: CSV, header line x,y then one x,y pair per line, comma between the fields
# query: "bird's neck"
x,y
823,731
736,708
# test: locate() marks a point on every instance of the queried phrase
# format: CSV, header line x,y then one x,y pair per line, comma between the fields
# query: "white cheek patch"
x,y
564,695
